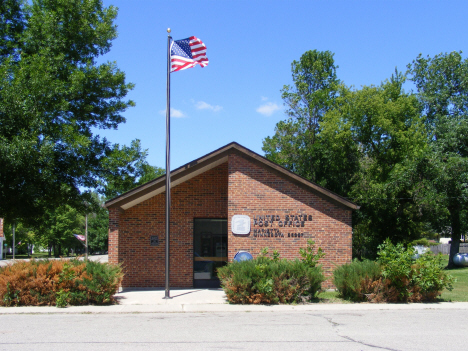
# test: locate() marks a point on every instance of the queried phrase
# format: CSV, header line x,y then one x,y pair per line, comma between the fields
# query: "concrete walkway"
x,y
210,300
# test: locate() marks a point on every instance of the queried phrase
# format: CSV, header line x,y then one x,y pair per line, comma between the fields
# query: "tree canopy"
x,y
297,143
53,97
401,155
442,89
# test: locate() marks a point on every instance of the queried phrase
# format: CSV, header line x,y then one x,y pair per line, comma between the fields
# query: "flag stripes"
x,y
187,53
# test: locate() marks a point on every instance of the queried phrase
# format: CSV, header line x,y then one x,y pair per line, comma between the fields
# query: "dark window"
x,y
210,250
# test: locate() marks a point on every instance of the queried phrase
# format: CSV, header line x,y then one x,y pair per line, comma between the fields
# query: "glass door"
x,y
210,250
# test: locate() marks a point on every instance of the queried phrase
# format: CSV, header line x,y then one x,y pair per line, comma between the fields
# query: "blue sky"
x,y
250,45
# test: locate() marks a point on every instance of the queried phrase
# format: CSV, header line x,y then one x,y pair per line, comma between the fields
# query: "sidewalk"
x,y
210,300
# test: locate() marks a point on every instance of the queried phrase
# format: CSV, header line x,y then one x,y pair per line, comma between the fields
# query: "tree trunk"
x,y
456,233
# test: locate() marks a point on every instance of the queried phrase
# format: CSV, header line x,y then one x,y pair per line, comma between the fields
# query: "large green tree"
x,y
384,124
297,143
442,87
53,97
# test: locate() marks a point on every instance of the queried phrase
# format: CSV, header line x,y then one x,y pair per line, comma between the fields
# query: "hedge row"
x,y
58,282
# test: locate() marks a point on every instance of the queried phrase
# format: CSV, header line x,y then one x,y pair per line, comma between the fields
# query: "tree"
x,y
136,169
384,124
53,96
56,229
297,143
25,237
442,89
12,24
98,230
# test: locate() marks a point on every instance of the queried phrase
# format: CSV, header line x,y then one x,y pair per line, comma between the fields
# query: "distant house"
x,y
228,201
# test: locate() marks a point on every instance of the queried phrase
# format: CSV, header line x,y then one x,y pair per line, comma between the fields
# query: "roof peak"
x,y
209,161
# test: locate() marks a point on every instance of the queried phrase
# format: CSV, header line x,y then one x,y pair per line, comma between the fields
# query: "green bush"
x,y
395,277
263,280
429,278
309,256
396,262
58,282
411,280
354,280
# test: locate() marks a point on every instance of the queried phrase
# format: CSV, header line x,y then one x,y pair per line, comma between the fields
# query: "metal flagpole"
x,y
168,167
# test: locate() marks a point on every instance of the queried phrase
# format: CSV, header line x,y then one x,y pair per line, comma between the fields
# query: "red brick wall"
x,y
113,241
237,187
256,191
204,196
1,227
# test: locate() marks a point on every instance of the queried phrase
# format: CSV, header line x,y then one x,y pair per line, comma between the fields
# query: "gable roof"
x,y
207,162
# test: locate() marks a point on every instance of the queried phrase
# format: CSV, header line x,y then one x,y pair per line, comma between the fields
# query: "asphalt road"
x,y
424,329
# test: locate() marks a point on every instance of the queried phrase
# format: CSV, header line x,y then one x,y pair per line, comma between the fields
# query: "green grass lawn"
x,y
329,297
460,288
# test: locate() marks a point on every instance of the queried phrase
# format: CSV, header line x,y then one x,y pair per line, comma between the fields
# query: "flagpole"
x,y
168,167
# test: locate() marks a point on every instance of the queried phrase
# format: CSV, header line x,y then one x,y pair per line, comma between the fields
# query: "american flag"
x,y
80,237
186,53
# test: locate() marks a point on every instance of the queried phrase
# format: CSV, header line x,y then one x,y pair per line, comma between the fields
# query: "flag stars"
x,y
186,53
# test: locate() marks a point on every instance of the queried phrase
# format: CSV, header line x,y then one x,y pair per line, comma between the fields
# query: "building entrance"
x,y
209,251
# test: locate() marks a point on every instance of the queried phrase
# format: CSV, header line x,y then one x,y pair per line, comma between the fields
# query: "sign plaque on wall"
x,y
240,224
154,240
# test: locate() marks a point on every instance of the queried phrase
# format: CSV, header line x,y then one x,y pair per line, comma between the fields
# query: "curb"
x,y
214,308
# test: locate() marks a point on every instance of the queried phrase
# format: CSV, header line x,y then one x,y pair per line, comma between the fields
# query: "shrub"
x,y
263,280
429,278
407,280
355,280
309,256
411,280
396,262
58,282
401,278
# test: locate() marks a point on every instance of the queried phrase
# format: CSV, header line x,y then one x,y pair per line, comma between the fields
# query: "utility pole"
x,y
14,246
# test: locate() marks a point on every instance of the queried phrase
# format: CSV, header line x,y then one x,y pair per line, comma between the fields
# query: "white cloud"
x,y
174,113
268,109
264,98
201,105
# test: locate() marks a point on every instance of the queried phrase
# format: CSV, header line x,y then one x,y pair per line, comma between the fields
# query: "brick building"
x,y
228,201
